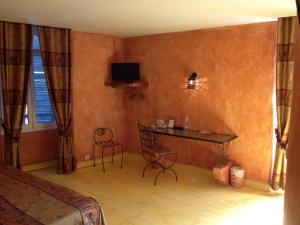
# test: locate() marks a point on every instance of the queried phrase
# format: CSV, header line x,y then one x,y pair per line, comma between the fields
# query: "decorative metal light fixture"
x,y
191,81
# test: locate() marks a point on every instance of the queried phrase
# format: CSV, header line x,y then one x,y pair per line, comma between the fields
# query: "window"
x,y
38,111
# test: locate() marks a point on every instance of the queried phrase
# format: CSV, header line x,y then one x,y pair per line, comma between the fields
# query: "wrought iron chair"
x,y
103,137
153,152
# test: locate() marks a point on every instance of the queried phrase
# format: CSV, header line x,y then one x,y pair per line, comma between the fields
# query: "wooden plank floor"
x,y
129,199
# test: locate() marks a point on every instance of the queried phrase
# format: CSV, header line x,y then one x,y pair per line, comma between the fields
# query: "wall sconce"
x,y
191,81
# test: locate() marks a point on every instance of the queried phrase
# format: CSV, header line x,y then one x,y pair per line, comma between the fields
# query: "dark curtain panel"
x,y
284,87
56,54
298,9
15,66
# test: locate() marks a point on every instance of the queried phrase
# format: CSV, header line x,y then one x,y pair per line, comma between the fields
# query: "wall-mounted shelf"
x,y
120,84
136,84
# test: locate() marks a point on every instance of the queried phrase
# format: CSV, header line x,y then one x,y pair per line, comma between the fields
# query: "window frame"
x,y
32,124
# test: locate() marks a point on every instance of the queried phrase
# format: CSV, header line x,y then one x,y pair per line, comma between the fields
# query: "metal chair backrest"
x,y
103,134
147,138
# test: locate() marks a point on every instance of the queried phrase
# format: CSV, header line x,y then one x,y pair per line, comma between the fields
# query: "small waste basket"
x,y
222,173
237,176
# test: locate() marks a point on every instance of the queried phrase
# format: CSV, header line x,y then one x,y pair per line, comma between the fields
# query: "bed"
x,y
29,200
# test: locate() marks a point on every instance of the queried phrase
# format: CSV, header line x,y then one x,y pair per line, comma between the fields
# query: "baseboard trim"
x,y
84,164
253,184
48,164
39,166
257,185
89,163
206,172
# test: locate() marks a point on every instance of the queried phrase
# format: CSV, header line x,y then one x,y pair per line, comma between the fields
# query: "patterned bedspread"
x,y
29,200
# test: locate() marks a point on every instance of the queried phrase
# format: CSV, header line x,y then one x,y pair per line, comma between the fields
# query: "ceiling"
x,y
126,18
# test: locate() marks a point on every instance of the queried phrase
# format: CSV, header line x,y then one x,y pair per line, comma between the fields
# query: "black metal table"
x,y
220,140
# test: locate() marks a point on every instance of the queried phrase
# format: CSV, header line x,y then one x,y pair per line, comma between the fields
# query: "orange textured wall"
x,y
237,70
36,147
95,105
40,146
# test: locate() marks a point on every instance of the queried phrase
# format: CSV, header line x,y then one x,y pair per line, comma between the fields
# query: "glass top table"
x,y
221,140
195,134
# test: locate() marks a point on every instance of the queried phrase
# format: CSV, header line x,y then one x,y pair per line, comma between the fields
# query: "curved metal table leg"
x,y
222,148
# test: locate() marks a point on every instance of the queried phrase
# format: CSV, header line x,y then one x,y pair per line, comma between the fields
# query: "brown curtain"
x,y
56,54
284,84
15,66
298,10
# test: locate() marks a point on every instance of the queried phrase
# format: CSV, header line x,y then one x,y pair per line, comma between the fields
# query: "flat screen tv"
x,y
127,72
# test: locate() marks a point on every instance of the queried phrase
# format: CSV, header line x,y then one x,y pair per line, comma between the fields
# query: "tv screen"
x,y
127,72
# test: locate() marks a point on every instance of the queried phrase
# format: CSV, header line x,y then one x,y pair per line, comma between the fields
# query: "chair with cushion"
x,y
154,153
103,137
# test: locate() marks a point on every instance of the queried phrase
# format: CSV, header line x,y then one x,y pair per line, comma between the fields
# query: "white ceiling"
x,y
126,18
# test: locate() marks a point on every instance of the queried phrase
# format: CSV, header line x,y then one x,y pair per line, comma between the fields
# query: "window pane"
x,y
26,117
43,108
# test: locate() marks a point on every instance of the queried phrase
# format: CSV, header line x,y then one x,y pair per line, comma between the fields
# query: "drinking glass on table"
x,y
160,123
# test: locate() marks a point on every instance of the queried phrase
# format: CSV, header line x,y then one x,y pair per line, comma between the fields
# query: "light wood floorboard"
x,y
196,199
